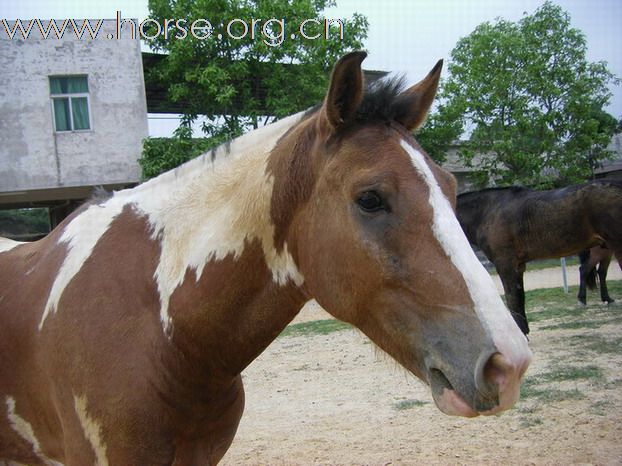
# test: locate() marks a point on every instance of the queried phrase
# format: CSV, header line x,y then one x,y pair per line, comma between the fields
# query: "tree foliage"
x,y
163,154
241,82
24,222
529,101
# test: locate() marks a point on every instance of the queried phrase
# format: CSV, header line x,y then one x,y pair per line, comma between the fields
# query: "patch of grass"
x,y
527,409
606,345
565,373
579,324
409,404
613,384
556,295
602,407
526,422
551,263
553,303
541,264
552,310
316,327
534,387
549,395
571,325
597,343
529,388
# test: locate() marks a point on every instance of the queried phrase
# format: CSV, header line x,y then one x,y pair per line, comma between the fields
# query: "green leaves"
x,y
229,71
528,100
250,69
163,154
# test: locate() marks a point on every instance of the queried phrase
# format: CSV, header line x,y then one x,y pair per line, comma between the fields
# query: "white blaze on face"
x,y
493,315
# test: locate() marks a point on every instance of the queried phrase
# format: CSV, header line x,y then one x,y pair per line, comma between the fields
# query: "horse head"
x,y
369,220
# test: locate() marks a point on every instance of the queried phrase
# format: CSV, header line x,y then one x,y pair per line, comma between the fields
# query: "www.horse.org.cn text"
x,y
273,32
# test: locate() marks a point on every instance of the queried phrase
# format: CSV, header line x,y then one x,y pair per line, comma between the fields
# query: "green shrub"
x,y
162,154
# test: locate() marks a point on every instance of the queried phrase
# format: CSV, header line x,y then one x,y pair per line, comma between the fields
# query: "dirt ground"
x,y
336,400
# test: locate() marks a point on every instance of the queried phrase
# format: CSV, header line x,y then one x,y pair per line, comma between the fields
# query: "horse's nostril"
x,y
498,371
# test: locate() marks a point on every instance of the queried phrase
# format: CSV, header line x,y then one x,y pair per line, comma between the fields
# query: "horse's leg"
x,y
602,277
209,448
584,270
511,275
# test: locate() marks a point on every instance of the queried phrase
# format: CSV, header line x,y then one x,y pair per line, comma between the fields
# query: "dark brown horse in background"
x,y
124,332
595,263
515,225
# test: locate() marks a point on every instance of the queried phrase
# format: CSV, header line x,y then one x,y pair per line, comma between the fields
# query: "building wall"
x,y
613,167
454,164
35,157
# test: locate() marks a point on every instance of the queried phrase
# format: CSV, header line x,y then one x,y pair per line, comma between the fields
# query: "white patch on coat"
x,y
80,235
92,431
7,244
223,199
25,431
229,204
492,313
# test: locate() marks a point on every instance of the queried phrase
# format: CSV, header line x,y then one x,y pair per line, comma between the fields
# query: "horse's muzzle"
x,y
496,386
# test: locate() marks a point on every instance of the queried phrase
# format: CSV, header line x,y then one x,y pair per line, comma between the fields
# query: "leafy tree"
x,y
244,76
528,100
24,222
163,154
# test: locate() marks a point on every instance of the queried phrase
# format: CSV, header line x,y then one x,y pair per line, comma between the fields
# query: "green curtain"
x,y
80,113
61,114
69,85
79,105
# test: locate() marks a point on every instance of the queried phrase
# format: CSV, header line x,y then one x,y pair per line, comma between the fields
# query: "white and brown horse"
x,y
124,332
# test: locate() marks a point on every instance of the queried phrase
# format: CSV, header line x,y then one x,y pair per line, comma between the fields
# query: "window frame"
x,y
69,97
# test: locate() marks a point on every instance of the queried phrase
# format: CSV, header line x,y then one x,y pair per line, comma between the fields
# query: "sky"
x,y
404,36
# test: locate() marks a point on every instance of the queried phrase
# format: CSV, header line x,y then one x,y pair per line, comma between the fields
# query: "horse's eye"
x,y
370,201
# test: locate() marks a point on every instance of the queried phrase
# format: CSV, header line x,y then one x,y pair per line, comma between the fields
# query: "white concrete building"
x,y
73,112
613,167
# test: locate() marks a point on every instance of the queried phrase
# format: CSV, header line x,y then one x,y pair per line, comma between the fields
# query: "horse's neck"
x,y
470,212
219,175
244,313
219,270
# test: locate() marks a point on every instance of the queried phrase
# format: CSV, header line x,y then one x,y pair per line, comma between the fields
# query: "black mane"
x,y
384,100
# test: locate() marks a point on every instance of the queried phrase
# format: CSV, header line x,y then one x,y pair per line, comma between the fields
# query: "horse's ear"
x,y
420,97
345,91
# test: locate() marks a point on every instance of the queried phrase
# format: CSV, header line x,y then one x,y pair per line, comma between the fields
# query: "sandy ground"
x,y
335,400
551,278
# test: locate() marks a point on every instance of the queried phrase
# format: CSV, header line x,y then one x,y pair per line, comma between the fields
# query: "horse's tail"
x,y
590,277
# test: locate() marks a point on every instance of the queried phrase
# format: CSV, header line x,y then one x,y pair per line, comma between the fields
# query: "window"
x,y
70,103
